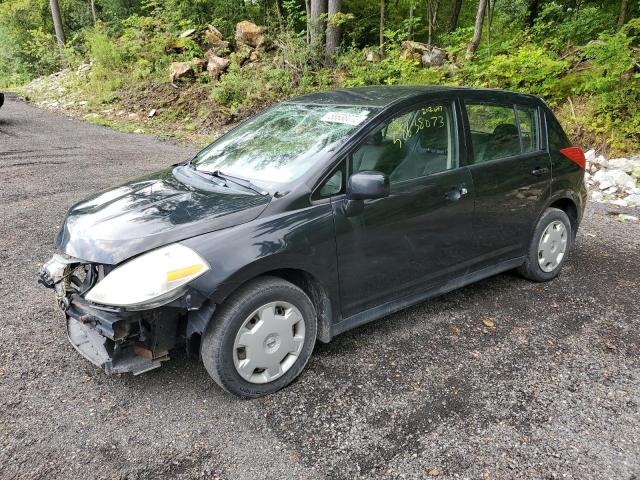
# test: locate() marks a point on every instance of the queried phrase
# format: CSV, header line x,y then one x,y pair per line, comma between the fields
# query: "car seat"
x,y
504,142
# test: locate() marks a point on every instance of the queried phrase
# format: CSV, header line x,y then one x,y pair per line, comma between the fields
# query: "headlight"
x,y
149,278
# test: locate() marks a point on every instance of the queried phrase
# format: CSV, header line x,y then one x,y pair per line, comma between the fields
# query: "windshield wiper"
x,y
243,182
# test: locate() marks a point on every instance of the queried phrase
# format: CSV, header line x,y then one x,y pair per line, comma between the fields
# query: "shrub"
x,y
559,27
530,69
615,84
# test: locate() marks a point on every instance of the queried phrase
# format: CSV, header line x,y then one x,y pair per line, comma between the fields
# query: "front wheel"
x,y
261,338
549,247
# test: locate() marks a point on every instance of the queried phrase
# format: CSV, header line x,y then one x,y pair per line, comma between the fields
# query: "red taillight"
x,y
576,155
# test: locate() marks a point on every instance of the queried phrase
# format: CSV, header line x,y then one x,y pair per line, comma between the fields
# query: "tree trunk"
x,y
279,13
381,27
489,22
534,7
307,6
333,31
623,12
57,22
410,32
455,14
318,9
432,15
93,11
477,32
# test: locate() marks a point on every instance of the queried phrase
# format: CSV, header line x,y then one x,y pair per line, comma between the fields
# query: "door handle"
x,y
456,193
539,171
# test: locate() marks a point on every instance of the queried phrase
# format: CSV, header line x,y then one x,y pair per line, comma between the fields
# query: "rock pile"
x,y
615,181
248,46
427,55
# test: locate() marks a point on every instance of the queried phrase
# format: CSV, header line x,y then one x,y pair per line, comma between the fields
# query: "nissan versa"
x,y
317,215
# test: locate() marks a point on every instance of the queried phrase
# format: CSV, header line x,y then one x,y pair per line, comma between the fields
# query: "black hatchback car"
x,y
317,215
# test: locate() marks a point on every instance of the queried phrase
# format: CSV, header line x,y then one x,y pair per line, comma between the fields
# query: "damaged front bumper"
x,y
121,342
115,339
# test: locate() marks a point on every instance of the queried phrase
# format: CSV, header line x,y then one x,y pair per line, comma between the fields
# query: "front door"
x,y
420,235
512,176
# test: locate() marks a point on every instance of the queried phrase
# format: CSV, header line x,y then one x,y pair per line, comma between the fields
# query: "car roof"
x,y
386,95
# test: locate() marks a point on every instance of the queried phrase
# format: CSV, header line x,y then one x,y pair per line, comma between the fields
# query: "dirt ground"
x,y
552,391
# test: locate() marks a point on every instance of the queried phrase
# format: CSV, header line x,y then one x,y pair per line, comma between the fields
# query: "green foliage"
x,y
571,50
529,68
104,78
390,70
559,26
615,85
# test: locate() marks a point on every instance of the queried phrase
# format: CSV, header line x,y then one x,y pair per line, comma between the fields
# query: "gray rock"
x,y
606,184
599,175
590,155
435,58
216,66
597,196
625,164
372,56
619,202
250,34
181,71
187,33
620,178
600,160
633,199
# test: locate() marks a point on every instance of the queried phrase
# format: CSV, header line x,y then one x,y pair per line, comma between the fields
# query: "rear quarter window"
x,y
557,138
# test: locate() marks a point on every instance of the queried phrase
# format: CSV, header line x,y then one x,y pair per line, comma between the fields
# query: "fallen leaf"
x,y
489,323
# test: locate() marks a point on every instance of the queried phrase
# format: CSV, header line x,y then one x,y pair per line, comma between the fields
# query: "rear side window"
x,y
500,131
494,132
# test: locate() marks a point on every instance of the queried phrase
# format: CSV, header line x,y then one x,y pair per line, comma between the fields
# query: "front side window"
x,y
412,145
282,143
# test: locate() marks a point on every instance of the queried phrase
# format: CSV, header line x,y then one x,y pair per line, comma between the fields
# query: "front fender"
x,y
302,240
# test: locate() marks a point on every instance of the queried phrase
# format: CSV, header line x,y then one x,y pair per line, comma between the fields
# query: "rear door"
x,y
511,174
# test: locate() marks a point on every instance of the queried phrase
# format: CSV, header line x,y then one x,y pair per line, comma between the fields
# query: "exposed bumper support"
x,y
120,341
95,348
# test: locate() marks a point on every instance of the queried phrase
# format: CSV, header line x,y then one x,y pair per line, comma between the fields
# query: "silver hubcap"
x,y
269,342
552,246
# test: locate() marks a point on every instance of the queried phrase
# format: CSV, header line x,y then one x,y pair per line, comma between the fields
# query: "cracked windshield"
x,y
282,143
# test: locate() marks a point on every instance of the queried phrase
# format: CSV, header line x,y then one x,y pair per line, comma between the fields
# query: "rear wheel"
x,y
261,338
549,247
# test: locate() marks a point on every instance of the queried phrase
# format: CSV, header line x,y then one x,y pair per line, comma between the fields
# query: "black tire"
x,y
216,349
531,269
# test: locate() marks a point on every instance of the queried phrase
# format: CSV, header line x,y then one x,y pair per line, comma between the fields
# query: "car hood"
x,y
152,211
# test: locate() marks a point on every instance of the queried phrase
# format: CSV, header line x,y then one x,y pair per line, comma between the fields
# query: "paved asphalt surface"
x,y
553,391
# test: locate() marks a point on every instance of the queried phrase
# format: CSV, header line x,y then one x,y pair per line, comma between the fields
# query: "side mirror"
x,y
367,185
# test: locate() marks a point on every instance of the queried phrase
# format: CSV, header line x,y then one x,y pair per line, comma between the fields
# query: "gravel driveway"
x,y
552,391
